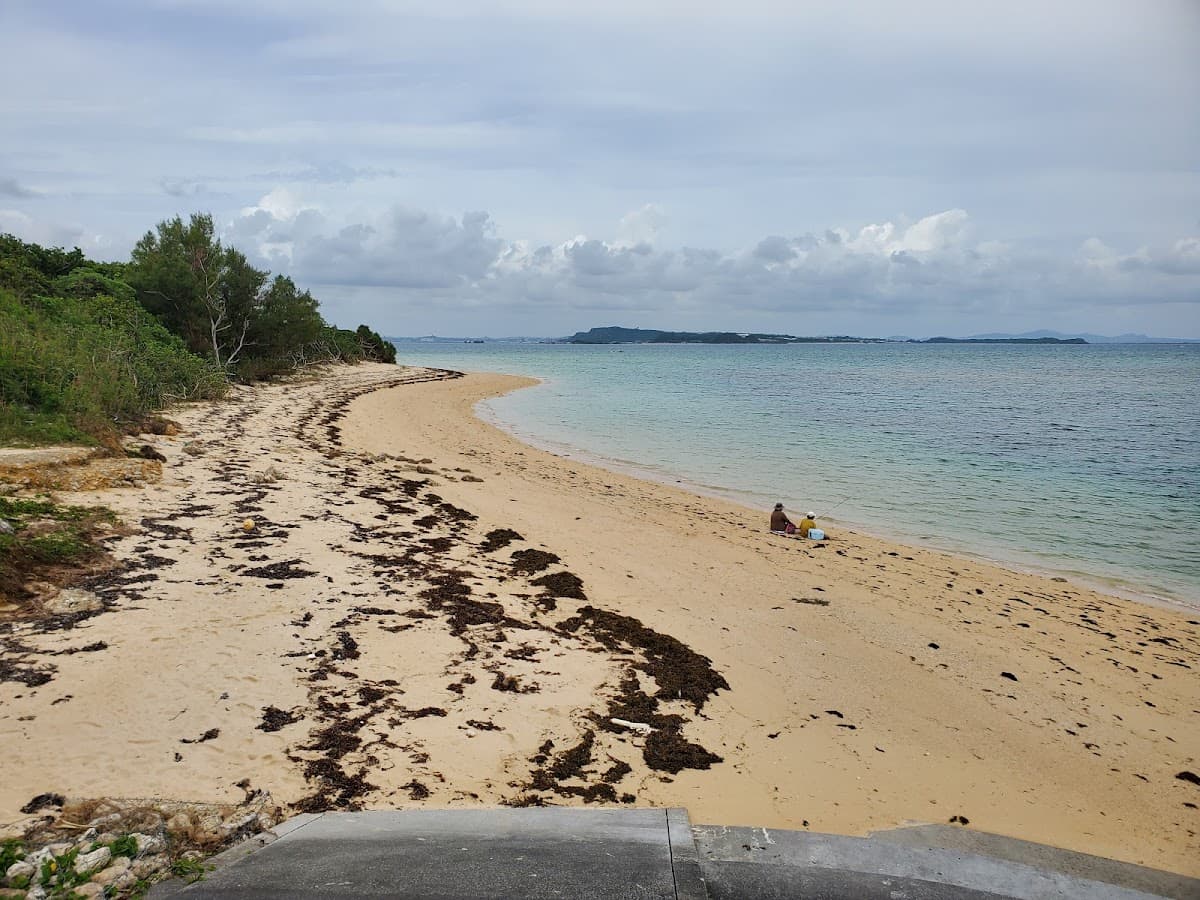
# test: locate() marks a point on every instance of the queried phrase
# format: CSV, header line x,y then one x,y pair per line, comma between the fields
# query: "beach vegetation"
x,y
89,349
45,534
189,869
12,850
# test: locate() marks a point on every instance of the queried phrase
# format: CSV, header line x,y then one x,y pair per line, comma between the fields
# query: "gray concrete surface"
x,y
1040,856
758,863
601,854
647,854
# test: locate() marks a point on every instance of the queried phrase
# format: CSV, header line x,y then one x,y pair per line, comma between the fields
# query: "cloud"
x,y
403,248
181,187
929,267
46,233
10,187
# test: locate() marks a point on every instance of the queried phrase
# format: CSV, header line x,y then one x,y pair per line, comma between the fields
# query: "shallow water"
x,y
1081,460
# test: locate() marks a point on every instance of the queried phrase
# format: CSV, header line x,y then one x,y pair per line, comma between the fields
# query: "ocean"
x,y
1079,460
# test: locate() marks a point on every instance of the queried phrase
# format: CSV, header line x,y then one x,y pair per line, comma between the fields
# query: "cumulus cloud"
x,y
403,248
422,261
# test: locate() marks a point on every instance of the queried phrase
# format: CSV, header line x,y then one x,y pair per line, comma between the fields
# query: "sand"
x,y
398,657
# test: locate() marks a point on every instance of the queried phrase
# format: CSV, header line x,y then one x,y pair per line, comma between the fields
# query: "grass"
x,y
22,427
44,535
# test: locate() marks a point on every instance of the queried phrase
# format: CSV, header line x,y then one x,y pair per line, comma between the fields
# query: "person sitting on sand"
x,y
780,523
806,523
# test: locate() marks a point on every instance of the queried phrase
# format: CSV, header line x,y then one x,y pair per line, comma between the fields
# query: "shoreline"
x,y
1116,586
429,612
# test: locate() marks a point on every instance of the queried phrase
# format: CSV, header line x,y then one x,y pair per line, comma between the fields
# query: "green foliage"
x,y
12,850
86,362
88,348
58,874
125,845
374,346
190,870
44,533
207,294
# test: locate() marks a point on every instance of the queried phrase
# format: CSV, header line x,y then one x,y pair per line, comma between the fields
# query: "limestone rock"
x,y
119,867
73,600
90,862
89,890
149,844
20,869
148,865
5,528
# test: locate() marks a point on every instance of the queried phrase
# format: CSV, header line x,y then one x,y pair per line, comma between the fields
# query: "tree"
x,y
205,293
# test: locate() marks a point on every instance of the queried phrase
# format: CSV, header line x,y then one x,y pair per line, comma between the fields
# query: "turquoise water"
x,y
1080,460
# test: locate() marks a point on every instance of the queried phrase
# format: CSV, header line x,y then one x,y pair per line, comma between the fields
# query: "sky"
x,y
528,167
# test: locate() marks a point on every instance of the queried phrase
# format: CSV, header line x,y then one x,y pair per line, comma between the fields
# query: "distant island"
x,y
998,340
617,335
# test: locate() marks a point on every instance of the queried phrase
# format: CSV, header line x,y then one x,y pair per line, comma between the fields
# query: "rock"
x,y
20,869
88,890
148,865
119,867
59,848
90,862
125,881
37,892
149,844
73,600
12,894
5,528
107,838
179,823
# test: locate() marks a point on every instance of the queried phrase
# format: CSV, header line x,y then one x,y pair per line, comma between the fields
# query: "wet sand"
x,y
428,612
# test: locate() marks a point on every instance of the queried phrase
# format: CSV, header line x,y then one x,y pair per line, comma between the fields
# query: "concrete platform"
x,y
647,854
603,854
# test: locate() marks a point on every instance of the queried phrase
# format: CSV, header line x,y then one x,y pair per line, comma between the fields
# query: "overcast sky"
x,y
533,167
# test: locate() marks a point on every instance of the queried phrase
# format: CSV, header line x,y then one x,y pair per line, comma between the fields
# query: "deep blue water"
x,y
1081,460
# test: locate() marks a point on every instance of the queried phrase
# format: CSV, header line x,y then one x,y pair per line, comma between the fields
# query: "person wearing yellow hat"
x,y
806,523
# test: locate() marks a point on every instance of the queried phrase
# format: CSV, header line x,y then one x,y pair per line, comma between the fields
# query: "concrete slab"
x,y
740,863
529,853
1040,856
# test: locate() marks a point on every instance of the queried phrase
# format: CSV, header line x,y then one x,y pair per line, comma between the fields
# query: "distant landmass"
x,y
617,335
1089,338
1000,339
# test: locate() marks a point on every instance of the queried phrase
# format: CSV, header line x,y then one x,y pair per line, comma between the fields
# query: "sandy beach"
x,y
427,612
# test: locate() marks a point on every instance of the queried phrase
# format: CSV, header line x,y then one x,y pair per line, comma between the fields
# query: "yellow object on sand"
x,y
248,525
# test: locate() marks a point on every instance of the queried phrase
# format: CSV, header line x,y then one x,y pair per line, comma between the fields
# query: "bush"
x,y
88,364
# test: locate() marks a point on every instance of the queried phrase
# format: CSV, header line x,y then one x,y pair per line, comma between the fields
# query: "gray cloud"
x,y
922,270
10,187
